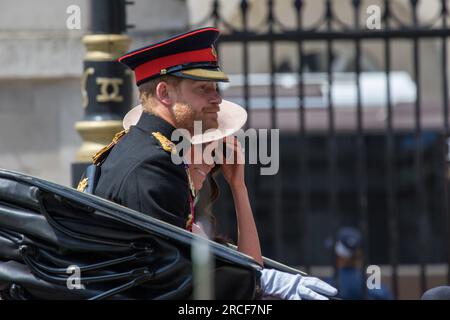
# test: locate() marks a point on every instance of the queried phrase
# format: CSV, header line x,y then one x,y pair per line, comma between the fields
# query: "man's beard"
x,y
185,115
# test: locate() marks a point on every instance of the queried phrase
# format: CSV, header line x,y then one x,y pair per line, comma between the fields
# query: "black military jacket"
x,y
139,174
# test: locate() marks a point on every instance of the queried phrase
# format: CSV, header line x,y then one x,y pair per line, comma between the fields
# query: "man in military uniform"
x,y
177,80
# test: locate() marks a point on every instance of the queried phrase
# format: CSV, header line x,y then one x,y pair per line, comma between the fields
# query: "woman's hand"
x,y
233,165
233,172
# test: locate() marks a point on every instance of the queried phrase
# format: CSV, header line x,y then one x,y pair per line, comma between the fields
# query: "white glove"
x,y
288,286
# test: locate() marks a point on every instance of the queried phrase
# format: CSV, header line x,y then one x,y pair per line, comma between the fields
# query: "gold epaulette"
x,y
99,156
165,143
169,146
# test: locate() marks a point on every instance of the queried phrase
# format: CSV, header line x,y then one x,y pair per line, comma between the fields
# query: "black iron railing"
x,y
329,28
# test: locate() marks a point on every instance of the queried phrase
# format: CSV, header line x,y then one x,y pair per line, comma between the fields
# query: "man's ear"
x,y
163,93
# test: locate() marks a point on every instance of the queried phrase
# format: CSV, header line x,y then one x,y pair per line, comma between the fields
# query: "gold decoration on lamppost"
x,y
105,84
105,47
97,134
84,78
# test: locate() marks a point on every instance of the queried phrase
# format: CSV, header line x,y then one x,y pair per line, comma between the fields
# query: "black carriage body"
x,y
47,231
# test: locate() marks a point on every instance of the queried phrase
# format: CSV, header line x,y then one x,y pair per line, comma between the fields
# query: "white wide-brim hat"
x,y
230,118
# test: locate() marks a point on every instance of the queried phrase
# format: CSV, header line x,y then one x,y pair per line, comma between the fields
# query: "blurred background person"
x,y
349,268
437,293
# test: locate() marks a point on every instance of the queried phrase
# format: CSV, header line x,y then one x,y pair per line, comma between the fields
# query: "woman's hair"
x,y
207,212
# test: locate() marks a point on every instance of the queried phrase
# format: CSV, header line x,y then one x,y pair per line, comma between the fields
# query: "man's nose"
x,y
216,98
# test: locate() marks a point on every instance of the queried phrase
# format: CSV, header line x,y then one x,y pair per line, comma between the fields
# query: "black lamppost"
x,y
106,85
